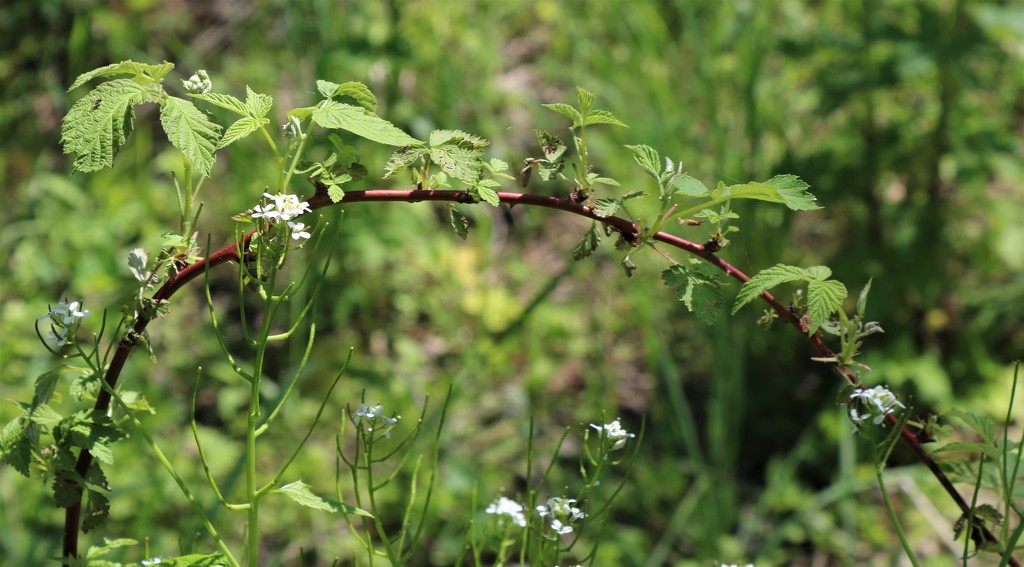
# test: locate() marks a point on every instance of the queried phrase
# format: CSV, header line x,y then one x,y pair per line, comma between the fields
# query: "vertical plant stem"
x,y
892,516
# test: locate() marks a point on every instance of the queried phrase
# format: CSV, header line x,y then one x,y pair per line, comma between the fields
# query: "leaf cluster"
x,y
824,296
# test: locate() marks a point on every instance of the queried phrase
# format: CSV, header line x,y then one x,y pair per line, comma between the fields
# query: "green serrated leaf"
x,y
331,114
458,162
786,189
191,131
699,291
300,493
108,545
97,504
44,415
765,280
967,447
690,186
606,207
224,101
484,190
603,117
497,166
794,192
256,103
96,127
552,147
585,99
350,92
154,72
46,383
402,158
980,423
567,111
862,299
439,137
647,158
818,272
240,129
336,193
823,299
15,445
459,222
587,244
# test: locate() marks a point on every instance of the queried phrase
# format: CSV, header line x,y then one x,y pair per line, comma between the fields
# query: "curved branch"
x,y
320,200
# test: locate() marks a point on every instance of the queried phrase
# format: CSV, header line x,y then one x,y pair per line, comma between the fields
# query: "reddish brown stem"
x,y
627,228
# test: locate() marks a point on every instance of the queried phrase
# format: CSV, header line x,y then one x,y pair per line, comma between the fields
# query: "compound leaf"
x,y
191,131
552,147
98,125
300,493
154,72
585,99
700,291
357,120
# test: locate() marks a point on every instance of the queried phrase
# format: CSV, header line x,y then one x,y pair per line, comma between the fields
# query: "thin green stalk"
x,y
174,475
895,520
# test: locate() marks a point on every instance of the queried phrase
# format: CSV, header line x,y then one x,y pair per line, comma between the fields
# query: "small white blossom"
x,y
153,561
199,83
559,528
369,412
58,336
506,507
878,399
299,231
281,207
615,433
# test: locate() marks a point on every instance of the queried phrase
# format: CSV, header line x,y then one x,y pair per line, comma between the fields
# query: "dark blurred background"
x,y
904,116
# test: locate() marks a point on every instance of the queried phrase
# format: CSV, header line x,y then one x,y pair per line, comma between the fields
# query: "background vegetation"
x,y
904,116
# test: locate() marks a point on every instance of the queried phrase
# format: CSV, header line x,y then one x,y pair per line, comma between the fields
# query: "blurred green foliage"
x,y
904,116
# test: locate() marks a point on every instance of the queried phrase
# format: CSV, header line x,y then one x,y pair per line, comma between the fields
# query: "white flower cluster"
x,y
878,403
506,507
562,514
64,321
199,83
615,433
283,207
374,416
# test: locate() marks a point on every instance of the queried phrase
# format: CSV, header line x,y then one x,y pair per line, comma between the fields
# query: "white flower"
x,y
615,432
510,508
878,399
369,412
153,561
559,528
298,230
199,83
59,338
561,508
281,207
